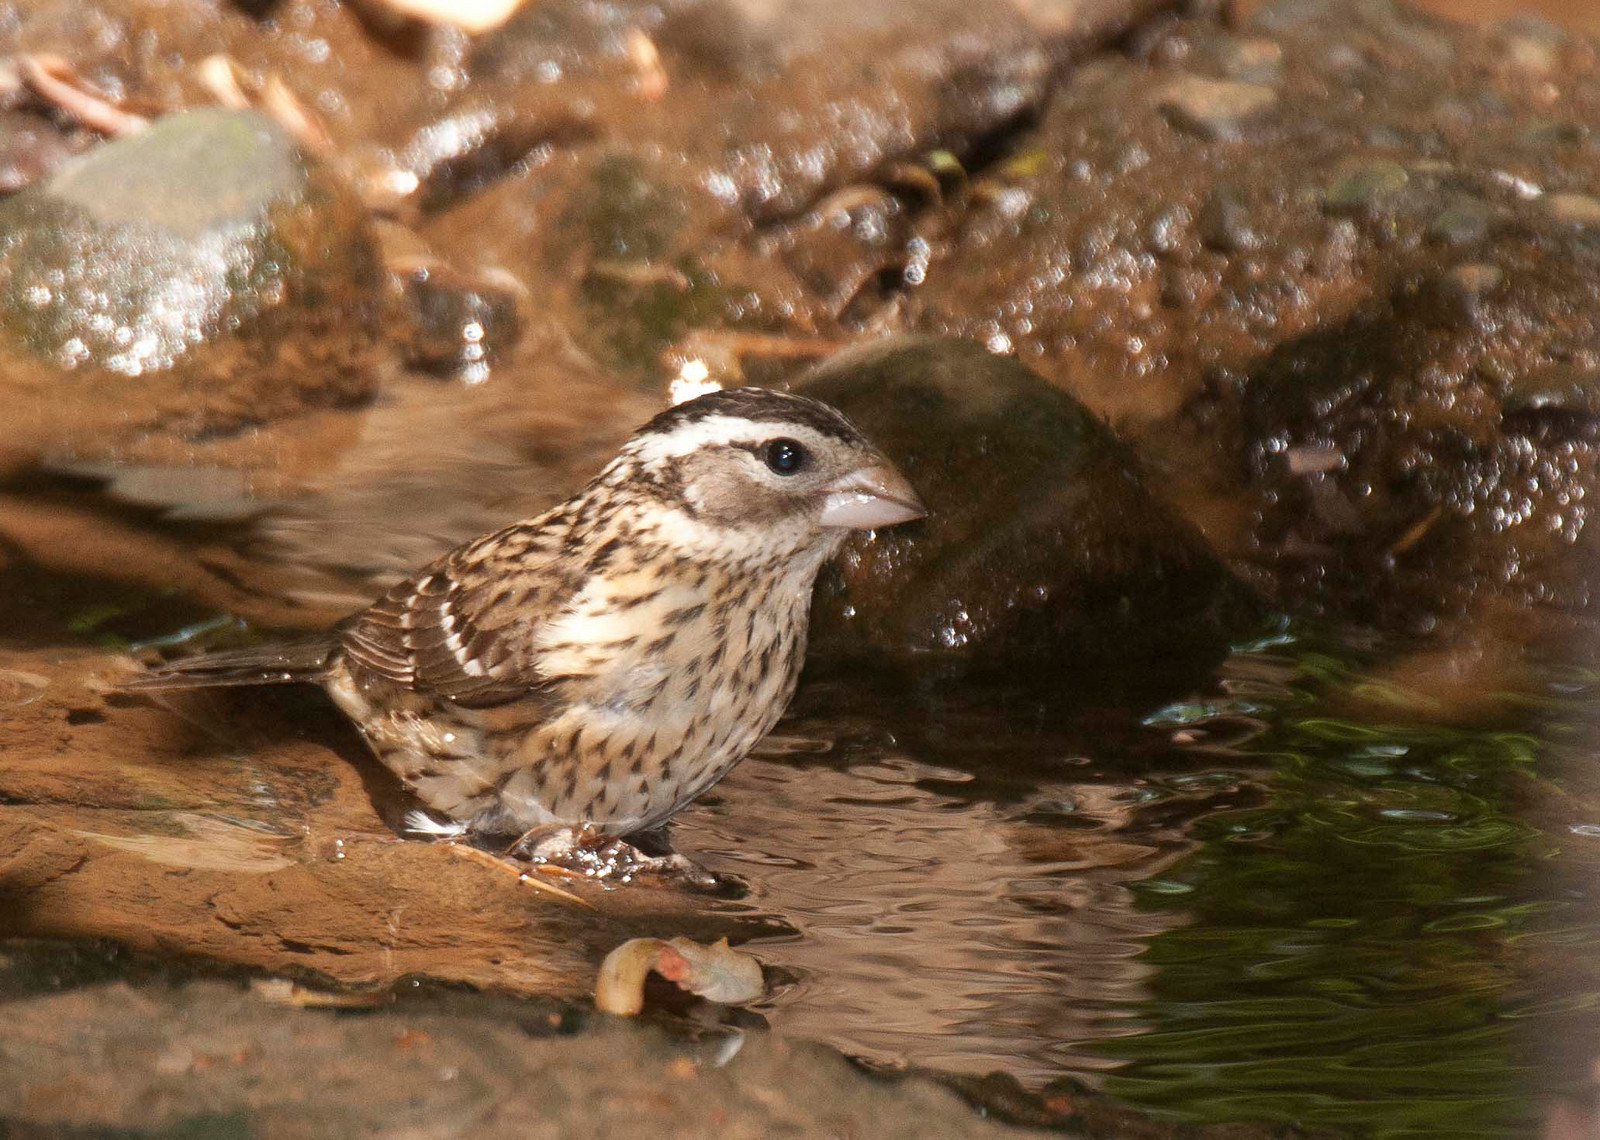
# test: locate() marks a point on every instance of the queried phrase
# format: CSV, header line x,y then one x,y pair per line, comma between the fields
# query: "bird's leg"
x,y
543,844
561,849
585,850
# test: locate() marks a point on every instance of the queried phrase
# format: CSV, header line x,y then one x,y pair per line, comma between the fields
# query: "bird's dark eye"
x,y
785,456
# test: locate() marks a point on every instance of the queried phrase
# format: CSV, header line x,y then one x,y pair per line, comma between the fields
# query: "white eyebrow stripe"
x,y
716,430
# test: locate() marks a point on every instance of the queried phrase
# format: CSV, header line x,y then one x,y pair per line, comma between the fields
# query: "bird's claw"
x,y
595,855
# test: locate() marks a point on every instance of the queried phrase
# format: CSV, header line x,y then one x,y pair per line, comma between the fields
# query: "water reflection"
x,y
1251,906
961,869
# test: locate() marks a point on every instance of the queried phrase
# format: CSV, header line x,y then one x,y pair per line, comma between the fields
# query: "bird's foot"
x,y
593,854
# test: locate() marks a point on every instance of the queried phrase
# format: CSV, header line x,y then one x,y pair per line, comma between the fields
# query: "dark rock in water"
x,y
1225,222
1042,544
1553,394
199,277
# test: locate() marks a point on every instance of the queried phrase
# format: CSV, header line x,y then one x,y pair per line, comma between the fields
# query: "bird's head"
x,y
771,469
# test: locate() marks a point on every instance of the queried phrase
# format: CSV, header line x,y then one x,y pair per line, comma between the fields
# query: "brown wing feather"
x,y
463,629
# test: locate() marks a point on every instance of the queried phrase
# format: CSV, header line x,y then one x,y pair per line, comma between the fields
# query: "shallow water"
x,y
1254,904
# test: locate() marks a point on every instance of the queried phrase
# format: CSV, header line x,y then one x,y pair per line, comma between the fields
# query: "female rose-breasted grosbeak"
x,y
603,664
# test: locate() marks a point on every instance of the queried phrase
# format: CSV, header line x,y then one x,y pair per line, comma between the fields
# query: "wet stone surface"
x,y
1042,547
1374,256
211,1059
199,277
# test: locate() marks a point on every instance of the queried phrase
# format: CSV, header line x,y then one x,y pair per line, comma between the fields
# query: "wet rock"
x,y
209,1058
1468,434
477,143
1553,393
1530,54
713,203
1361,186
457,324
1472,281
196,278
1251,59
804,96
1533,44
30,148
1461,290
1225,222
360,88
254,833
1388,298
1214,108
1042,544
1465,222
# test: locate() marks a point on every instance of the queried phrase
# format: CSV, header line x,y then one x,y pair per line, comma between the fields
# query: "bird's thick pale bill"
x,y
871,497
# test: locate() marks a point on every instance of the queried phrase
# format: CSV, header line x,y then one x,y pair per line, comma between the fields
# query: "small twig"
x,y
852,197
52,79
1416,531
285,107
221,76
641,273
231,87
528,877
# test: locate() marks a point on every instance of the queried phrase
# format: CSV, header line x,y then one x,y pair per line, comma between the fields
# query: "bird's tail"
x,y
282,664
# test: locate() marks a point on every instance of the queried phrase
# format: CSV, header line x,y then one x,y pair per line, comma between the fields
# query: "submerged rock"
x,y
1042,544
199,277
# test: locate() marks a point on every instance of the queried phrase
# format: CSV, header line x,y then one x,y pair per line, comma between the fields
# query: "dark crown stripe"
x,y
761,405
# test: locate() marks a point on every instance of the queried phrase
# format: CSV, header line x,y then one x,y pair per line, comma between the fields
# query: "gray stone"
x,y
1359,187
1214,108
200,276
1464,223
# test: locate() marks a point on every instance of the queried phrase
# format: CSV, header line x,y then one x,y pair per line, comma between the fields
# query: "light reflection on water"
x,y
962,883
1263,903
